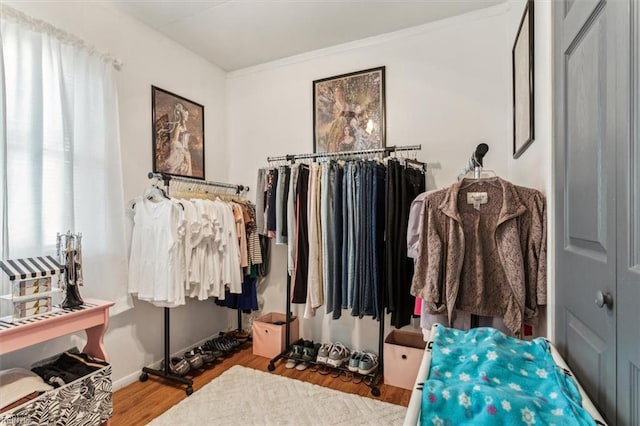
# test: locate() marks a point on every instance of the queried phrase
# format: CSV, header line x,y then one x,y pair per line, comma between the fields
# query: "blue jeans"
x,y
328,241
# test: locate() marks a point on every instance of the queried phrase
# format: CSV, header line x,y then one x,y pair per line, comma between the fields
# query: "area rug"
x,y
244,396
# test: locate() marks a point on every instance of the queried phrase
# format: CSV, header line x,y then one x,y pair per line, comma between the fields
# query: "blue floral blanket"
x,y
483,377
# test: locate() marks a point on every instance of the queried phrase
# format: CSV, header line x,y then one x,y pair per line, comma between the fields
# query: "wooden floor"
x,y
139,403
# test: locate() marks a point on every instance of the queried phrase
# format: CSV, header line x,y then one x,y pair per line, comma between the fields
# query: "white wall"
x,y
535,166
135,337
448,87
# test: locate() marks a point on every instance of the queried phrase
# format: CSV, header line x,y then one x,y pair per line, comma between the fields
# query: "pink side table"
x,y
93,318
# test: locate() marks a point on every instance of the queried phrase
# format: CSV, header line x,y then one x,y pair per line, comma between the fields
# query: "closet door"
x,y
628,300
589,59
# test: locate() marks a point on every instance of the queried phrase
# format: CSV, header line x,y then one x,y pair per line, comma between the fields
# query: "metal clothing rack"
x,y
387,150
166,178
165,372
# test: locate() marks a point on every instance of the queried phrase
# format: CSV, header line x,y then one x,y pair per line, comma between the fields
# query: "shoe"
x,y
194,359
213,346
354,361
179,366
339,355
239,335
323,353
291,363
296,352
302,366
208,356
310,354
368,363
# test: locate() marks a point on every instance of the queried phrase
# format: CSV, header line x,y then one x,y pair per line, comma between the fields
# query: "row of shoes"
x,y
338,355
193,360
334,355
207,353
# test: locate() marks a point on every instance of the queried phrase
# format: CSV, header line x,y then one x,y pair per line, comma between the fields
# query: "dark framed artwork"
x,y
349,111
178,134
522,75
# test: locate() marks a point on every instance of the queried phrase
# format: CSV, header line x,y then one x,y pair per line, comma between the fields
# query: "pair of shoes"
x,y
339,355
363,362
179,366
194,358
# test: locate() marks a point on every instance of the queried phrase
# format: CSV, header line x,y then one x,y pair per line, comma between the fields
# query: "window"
x,y
62,153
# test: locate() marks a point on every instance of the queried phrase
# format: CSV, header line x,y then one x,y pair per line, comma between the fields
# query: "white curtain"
x,y
63,166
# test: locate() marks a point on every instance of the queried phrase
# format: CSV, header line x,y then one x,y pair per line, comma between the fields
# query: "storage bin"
x,y
28,308
85,401
269,334
403,352
32,287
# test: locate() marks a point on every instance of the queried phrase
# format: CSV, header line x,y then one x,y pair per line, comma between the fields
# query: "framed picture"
x,y
178,134
348,111
522,74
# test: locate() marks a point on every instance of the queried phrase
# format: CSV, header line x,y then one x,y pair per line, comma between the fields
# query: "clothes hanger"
x,y
413,162
472,177
155,193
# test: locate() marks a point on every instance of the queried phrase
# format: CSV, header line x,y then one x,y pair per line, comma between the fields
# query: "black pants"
x,y
406,185
338,241
302,247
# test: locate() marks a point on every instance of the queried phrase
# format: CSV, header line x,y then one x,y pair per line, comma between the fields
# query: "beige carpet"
x,y
243,396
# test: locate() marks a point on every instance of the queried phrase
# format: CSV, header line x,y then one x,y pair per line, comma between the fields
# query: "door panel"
x,y
589,355
585,133
585,130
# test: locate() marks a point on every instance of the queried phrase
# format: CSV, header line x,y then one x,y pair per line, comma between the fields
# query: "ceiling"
x,y
235,34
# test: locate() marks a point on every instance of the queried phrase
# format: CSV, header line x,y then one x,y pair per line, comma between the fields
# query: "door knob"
x,y
604,299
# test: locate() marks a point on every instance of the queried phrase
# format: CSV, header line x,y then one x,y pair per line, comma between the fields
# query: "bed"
x,y
466,348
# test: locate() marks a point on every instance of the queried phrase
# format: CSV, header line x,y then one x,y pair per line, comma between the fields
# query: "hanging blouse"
x,y
483,250
157,254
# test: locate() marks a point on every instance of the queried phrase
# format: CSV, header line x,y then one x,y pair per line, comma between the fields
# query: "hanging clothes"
x,y
301,262
482,250
198,248
156,262
404,184
336,234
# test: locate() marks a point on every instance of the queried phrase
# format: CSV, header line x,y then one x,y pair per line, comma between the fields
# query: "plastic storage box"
x,y
403,352
269,334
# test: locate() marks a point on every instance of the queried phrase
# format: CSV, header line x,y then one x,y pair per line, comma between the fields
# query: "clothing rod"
x,y
387,150
167,177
